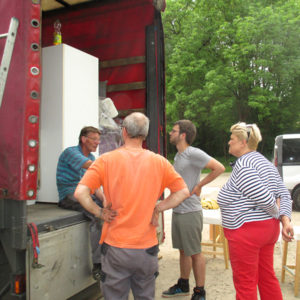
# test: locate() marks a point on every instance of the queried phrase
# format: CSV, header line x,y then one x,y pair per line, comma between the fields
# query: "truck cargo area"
x,y
49,217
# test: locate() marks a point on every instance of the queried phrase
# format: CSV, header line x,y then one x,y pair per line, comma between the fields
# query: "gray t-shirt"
x,y
189,164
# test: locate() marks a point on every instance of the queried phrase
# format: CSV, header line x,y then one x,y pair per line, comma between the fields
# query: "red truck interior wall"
x,y
111,31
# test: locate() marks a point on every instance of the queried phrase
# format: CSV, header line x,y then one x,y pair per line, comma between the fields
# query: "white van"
x,y
287,161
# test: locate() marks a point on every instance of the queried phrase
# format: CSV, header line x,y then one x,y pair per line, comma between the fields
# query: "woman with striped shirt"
x,y
252,203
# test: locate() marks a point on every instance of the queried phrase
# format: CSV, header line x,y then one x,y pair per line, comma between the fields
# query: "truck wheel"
x,y
296,199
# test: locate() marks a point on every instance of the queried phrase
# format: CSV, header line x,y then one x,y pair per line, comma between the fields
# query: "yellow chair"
x,y
294,270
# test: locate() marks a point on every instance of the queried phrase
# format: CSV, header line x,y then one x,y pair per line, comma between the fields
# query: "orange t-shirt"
x,y
133,180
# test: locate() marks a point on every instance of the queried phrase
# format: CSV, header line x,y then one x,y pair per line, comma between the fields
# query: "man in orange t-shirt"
x,y
133,179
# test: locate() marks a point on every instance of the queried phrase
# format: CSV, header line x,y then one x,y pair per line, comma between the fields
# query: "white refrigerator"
x,y
69,101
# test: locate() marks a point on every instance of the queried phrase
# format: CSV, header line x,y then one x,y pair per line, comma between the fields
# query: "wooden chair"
x,y
294,270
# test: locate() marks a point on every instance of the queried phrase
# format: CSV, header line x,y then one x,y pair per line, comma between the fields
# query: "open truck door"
x,y
127,38
20,76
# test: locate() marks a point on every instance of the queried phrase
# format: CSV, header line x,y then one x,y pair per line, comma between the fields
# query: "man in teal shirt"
x,y
72,164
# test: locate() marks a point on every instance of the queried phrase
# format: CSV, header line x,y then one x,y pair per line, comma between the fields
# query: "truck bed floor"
x,y
48,216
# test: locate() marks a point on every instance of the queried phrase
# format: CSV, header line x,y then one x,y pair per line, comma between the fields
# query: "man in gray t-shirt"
x,y
187,219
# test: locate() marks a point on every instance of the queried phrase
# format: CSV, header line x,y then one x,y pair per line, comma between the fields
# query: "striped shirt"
x,y
250,193
69,170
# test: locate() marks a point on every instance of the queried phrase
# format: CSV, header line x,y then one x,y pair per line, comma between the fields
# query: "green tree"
x,y
230,61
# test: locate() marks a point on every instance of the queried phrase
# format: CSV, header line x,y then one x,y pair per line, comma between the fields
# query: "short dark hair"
x,y
86,130
187,127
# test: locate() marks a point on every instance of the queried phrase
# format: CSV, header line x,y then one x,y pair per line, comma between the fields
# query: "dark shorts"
x,y
187,232
70,202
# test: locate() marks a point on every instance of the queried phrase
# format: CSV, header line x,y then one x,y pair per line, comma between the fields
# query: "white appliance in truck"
x,y
69,102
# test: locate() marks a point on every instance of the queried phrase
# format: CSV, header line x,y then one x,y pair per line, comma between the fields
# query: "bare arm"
x,y
216,169
287,229
82,194
87,164
173,200
100,195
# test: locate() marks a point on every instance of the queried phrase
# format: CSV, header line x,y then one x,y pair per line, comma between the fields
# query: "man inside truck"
x,y
72,164
133,179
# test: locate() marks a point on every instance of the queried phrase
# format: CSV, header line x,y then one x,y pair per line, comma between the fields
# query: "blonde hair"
x,y
248,132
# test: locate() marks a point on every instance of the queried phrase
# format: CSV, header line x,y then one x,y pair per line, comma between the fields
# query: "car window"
x,y
291,151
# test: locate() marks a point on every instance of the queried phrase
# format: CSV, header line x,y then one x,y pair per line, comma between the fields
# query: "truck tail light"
x,y
20,284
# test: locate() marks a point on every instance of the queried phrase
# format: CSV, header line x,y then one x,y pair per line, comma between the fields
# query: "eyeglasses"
x,y
93,139
173,131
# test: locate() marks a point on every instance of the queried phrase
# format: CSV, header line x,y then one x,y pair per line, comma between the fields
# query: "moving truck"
x,y
109,49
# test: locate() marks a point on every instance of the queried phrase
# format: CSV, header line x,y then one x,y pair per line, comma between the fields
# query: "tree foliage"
x,y
230,61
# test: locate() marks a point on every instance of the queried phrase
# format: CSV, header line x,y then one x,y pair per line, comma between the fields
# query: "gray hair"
x,y
137,125
248,132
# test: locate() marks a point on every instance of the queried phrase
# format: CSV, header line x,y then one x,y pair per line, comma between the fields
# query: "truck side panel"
x,y
19,112
19,130
64,256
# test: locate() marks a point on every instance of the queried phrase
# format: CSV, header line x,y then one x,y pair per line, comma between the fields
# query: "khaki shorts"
x,y
187,232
